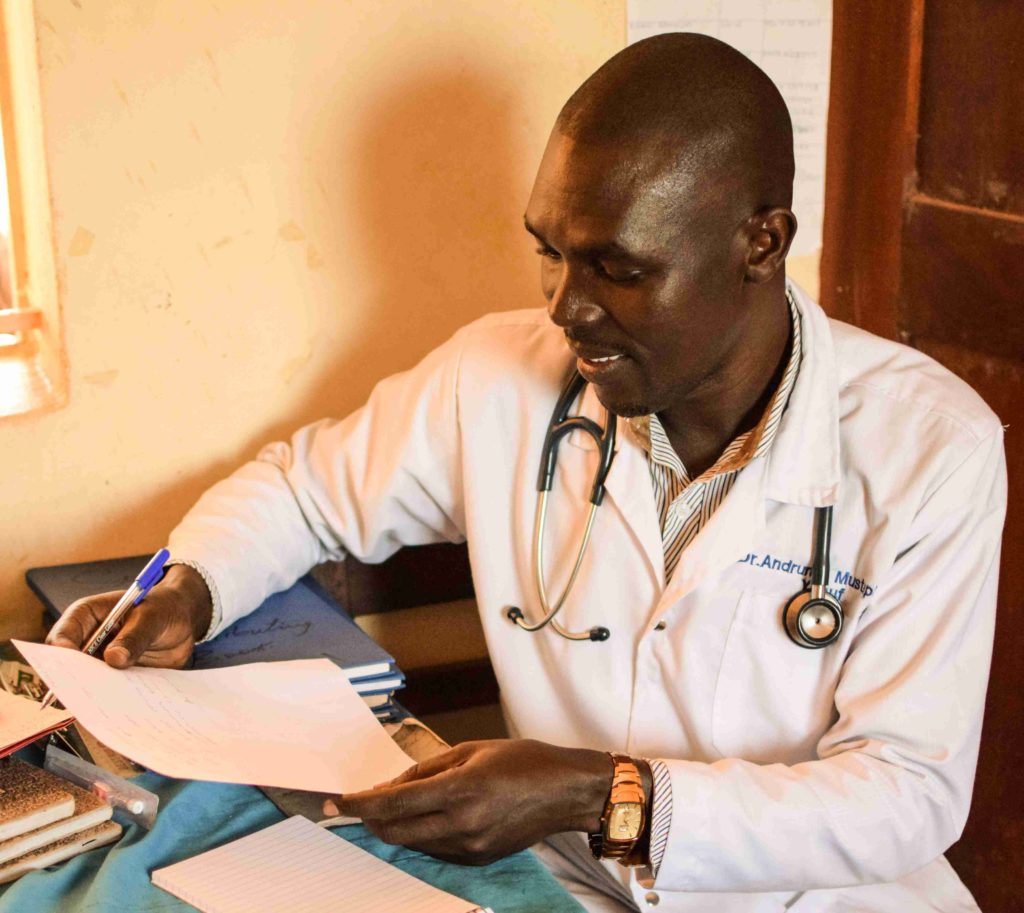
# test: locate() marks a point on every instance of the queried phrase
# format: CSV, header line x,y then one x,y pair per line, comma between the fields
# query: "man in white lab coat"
x,y
770,776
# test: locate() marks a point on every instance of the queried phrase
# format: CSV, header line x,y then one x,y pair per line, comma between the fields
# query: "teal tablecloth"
x,y
198,816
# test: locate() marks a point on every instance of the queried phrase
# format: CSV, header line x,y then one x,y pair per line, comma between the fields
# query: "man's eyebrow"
x,y
610,248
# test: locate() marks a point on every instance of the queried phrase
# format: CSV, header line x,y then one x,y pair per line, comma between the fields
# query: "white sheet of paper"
x,y
791,40
297,724
21,719
296,865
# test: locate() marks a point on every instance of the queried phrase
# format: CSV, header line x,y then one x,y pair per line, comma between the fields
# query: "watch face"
x,y
625,821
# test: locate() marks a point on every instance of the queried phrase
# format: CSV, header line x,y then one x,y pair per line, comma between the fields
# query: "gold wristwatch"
x,y
622,823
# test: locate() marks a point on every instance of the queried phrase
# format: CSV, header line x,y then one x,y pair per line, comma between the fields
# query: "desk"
x,y
197,816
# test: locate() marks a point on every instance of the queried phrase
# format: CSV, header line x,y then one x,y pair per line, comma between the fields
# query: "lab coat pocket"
x,y
773,699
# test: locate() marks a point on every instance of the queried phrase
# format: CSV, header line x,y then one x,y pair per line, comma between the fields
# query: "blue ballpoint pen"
x,y
138,591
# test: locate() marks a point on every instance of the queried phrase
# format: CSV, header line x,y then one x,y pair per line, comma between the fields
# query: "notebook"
x,y
30,798
65,848
303,622
377,684
89,810
296,865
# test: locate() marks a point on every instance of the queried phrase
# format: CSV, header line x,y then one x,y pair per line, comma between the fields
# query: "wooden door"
x,y
924,243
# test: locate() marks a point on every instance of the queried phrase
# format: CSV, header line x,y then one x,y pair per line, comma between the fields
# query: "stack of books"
x,y
45,819
303,622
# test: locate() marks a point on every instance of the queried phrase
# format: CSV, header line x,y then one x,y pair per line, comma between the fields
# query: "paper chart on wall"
x,y
791,41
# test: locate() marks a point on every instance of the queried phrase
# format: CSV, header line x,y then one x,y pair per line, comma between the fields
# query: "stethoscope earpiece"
x,y
597,634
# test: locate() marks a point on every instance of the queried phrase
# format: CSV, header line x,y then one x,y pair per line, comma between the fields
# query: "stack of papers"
x,y
298,724
22,722
303,622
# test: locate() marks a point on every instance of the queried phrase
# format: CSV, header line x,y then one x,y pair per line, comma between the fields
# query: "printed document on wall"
x,y
791,41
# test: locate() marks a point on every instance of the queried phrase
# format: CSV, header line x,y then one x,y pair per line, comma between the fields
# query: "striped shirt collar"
x,y
750,445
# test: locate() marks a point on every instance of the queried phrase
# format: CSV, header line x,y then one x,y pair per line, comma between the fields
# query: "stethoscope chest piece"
x,y
811,620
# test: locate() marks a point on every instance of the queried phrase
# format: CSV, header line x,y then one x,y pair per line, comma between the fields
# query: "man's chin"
x,y
624,408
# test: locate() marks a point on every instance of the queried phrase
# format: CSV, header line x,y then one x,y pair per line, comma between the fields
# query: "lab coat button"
x,y
651,898
660,626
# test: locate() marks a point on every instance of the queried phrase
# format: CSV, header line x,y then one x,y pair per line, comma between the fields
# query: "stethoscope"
x,y
812,618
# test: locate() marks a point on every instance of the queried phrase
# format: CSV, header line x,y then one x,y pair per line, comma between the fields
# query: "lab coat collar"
x,y
801,467
628,484
803,461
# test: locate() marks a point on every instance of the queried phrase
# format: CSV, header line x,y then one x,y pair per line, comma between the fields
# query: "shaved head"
x,y
691,106
661,215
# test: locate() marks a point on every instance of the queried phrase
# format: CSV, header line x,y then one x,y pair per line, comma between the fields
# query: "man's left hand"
x,y
481,801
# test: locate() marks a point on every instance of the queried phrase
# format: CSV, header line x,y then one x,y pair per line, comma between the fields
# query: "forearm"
x,y
190,584
495,798
248,534
577,789
850,819
584,778
385,476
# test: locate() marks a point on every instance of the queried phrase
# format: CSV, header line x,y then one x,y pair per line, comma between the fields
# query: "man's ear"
x,y
769,235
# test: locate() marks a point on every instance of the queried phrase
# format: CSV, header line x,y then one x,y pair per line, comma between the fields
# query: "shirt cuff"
x,y
217,613
661,813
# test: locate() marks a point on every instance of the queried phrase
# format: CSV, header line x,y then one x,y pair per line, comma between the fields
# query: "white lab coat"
x,y
792,770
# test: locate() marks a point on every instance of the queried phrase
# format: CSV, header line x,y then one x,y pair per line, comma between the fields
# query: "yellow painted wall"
x,y
260,208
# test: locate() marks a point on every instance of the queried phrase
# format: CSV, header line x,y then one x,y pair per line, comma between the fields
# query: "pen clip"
x,y
151,574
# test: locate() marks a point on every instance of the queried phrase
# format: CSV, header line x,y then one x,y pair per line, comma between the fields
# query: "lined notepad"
x,y
298,867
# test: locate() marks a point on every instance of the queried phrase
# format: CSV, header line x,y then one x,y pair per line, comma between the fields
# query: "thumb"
x,y
453,757
74,628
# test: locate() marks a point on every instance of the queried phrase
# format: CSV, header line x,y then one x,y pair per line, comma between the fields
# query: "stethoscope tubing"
x,y
820,569
550,611
814,596
560,426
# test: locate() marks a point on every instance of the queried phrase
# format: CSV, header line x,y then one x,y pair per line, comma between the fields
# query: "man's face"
x,y
643,268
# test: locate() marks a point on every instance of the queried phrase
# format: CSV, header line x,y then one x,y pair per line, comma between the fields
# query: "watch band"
x,y
624,819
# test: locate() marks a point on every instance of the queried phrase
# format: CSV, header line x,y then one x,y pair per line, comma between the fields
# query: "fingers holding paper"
x,y
481,801
161,631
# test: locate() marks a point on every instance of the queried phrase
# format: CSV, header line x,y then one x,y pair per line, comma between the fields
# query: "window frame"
x,y
34,320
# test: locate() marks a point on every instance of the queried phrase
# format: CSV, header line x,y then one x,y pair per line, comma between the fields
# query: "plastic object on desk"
x,y
132,802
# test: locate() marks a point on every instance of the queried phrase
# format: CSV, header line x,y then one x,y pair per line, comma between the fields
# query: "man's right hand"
x,y
159,631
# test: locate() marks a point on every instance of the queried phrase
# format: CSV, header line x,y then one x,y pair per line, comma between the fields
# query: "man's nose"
x,y
569,303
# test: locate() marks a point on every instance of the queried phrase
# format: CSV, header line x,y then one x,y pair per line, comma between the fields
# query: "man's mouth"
x,y
596,367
